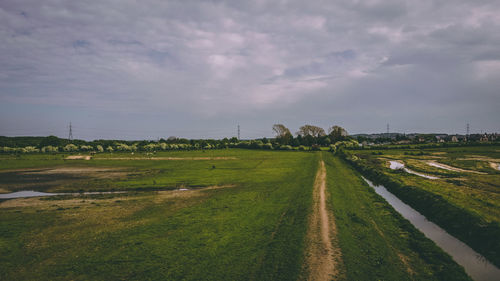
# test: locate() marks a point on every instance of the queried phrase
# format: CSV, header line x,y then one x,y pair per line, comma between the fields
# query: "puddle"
x,y
477,266
25,193
396,165
32,193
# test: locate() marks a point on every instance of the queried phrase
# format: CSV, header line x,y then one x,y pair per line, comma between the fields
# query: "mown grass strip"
x,y
376,242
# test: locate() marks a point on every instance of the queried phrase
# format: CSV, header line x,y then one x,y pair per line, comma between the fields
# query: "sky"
x,y
196,69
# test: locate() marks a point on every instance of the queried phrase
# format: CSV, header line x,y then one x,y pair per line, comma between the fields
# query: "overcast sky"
x,y
148,69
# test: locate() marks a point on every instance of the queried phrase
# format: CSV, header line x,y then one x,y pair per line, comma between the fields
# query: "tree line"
x,y
308,137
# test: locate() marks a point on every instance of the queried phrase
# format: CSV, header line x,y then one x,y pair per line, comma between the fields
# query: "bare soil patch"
x,y
79,157
450,168
46,179
323,255
495,166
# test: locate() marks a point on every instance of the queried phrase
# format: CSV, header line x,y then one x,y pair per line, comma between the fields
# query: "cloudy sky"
x,y
196,69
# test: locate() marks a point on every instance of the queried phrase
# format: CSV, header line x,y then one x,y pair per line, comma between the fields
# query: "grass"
x,y
251,230
144,174
376,242
244,218
466,204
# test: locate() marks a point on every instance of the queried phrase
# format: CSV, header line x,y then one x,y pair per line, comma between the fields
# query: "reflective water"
x,y
395,165
32,193
25,193
475,264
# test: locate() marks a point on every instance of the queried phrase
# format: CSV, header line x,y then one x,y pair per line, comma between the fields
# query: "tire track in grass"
x,y
322,257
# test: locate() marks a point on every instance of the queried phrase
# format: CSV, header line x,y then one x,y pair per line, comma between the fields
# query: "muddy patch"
x,y
47,179
495,166
450,168
79,157
398,165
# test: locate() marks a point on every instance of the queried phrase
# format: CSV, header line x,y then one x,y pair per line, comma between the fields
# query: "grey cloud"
x,y
254,61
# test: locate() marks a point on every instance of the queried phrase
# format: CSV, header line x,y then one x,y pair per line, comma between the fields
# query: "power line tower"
x,y
387,129
238,131
70,136
467,130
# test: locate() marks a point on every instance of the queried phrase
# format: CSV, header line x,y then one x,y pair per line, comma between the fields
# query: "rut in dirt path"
x,y
323,257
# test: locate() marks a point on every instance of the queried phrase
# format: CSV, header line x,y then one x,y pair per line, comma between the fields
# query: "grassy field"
x,y
125,171
243,217
252,228
471,192
376,242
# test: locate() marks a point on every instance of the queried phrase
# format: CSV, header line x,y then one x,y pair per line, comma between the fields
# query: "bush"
x,y
315,147
70,148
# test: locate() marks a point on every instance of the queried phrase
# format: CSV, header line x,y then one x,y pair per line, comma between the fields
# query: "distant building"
x,y
454,139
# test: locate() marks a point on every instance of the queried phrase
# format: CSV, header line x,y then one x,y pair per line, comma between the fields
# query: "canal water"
x,y
477,266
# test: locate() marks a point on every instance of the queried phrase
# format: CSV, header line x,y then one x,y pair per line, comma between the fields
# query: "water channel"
x,y
477,266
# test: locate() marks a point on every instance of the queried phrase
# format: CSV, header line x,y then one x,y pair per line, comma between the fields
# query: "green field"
x,y
243,217
377,243
466,201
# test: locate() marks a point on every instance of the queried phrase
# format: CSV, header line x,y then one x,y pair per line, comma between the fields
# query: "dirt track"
x,y
322,256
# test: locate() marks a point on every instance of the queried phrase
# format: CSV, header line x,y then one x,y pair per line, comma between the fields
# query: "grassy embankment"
x,y
253,229
466,204
376,242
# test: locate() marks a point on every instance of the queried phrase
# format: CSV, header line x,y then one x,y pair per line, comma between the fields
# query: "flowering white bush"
x,y
49,149
70,148
86,148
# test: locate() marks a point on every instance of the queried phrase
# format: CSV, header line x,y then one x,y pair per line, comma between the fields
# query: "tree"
x,y
283,135
310,130
337,133
50,141
280,130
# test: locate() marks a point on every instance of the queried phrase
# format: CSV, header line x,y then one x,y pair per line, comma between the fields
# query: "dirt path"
x,y
322,256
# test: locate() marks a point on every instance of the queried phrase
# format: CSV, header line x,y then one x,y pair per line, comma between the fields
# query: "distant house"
x,y
454,139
